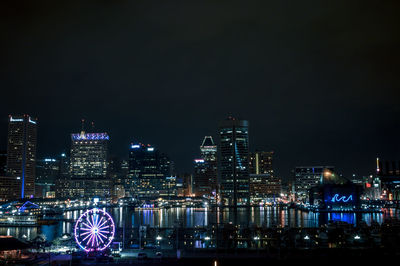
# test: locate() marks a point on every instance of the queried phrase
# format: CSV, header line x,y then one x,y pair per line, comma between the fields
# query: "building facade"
x,y
335,193
260,162
307,177
264,185
388,173
88,165
10,188
149,172
47,172
205,174
62,183
21,152
233,164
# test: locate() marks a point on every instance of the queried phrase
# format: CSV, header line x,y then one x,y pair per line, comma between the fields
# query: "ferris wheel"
x,y
94,230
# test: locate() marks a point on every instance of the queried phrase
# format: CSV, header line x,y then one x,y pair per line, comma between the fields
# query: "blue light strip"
x,y
23,207
238,159
336,198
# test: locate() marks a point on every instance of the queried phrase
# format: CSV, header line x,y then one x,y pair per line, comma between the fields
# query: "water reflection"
x,y
202,217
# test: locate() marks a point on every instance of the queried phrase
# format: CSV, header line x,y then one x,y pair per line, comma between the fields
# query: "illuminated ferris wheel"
x,y
94,230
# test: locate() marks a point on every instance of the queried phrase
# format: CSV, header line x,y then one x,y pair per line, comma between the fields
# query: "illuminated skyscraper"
x,y
88,162
263,182
150,172
89,155
47,172
205,175
234,161
307,177
21,152
63,182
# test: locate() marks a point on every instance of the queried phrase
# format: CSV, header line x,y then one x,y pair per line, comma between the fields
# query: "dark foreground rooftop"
x,y
284,257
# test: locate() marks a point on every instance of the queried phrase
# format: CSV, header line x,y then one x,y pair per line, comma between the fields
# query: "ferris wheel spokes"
x,y
94,230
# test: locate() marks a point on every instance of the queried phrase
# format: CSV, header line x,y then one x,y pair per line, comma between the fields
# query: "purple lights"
x,y
90,136
94,230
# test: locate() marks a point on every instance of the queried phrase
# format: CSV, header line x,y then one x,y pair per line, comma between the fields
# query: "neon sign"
x,y
337,198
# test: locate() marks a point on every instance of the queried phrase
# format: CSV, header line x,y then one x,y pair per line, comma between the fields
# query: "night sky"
x,y
317,80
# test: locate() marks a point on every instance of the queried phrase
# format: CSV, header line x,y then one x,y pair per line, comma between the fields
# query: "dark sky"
x,y
318,80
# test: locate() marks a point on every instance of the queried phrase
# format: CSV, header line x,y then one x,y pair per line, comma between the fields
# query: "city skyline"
x,y
199,132
287,173
317,82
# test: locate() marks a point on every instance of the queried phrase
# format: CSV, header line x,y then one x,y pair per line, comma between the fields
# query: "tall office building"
x,y
150,172
307,177
88,165
47,172
233,162
205,174
63,182
21,152
89,155
263,182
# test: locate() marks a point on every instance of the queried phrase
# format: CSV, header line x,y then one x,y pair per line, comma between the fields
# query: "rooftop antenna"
x,y
377,166
83,126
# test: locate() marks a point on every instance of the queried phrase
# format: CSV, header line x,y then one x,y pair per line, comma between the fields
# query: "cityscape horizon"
x,y
199,132
287,172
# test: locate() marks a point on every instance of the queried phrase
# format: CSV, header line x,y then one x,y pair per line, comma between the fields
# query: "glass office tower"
x,y
233,162
21,152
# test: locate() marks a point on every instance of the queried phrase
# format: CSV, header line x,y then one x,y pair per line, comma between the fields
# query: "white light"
x,y
207,238
306,237
357,237
150,149
158,238
16,120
